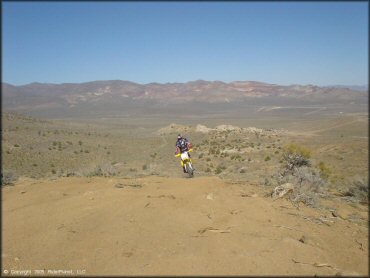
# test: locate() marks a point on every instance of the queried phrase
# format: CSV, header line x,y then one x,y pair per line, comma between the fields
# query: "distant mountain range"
x,y
117,95
362,88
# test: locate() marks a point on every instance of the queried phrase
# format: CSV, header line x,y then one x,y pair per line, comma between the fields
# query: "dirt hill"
x,y
175,226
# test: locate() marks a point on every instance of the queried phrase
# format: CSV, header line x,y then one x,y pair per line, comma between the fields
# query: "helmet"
x,y
179,136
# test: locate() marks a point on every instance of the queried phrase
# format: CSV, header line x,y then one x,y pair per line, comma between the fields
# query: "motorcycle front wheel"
x,y
190,169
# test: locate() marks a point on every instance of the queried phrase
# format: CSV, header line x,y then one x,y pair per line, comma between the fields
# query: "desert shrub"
x,y
53,171
222,167
16,146
208,170
218,170
8,178
358,190
201,155
133,170
267,158
242,171
145,167
294,160
208,159
308,185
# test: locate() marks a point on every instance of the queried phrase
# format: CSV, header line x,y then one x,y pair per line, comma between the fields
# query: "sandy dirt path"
x,y
169,226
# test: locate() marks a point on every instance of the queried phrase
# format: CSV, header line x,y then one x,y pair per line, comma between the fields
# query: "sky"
x,y
320,43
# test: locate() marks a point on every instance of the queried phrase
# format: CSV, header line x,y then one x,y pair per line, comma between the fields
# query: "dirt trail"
x,y
168,226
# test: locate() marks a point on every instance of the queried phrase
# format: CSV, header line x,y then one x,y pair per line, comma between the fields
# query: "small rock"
x,y
22,192
210,196
127,254
255,195
334,214
302,239
17,259
282,190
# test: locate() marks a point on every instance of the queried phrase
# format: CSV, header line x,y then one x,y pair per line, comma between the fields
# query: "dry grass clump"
x,y
324,170
297,149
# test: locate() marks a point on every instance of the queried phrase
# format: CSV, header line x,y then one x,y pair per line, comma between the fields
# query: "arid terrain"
x,y
95,188
176,226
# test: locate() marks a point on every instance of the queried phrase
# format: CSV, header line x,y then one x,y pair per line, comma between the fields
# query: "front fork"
x,y
182,162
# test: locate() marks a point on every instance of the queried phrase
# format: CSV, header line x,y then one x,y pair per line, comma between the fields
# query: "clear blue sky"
x,y
322,43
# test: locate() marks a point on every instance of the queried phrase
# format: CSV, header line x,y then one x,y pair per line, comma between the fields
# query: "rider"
x,y
182,145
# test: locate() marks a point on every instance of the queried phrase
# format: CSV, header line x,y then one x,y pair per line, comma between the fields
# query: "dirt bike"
x,y
186,161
